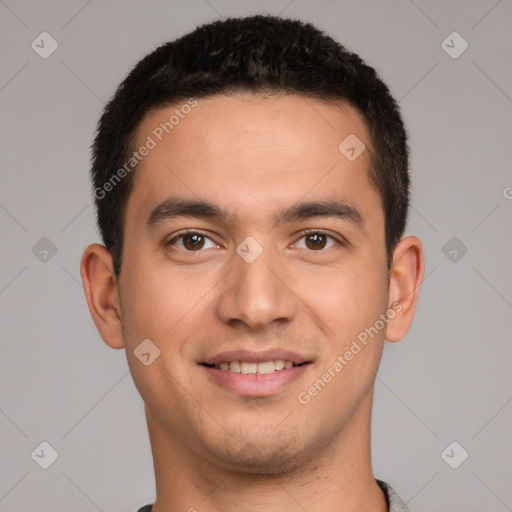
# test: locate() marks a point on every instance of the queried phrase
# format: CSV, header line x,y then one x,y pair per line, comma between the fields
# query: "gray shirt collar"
x,y
395,503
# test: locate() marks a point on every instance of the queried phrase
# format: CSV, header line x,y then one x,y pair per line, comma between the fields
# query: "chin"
x,y
262,465
280,455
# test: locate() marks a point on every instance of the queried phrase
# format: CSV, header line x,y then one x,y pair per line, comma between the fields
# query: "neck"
x,y
338,478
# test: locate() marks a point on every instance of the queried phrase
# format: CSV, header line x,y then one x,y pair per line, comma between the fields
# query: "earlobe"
x,y
101,292
406,275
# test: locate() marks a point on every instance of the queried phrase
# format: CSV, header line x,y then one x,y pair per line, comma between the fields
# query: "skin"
x,y
214,449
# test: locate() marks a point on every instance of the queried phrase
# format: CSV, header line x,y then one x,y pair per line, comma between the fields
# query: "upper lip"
x,y
256,357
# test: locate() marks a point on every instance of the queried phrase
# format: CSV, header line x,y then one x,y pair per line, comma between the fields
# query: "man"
x,y
251,184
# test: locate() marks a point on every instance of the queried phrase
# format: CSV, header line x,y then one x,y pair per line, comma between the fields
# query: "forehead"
x,y
246,151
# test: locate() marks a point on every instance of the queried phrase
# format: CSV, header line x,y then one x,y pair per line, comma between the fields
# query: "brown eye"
x,y
316,241
191,241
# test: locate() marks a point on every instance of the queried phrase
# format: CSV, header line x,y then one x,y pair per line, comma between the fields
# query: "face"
x,y
280,262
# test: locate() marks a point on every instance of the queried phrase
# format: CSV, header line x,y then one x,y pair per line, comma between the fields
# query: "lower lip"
x,y
256,385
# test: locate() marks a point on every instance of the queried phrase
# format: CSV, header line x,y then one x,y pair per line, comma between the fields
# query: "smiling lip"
x,y
256,357
254,384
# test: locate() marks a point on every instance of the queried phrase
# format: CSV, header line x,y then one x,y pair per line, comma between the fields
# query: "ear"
x,y
101,293
406,275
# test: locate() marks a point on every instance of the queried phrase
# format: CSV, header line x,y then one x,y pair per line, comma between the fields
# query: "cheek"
x,y
348,303
167,308
161,302
348,299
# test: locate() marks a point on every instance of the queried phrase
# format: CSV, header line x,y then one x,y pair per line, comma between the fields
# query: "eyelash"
x,y
303,234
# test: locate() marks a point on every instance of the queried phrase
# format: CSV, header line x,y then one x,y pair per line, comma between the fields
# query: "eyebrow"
x,y
175,207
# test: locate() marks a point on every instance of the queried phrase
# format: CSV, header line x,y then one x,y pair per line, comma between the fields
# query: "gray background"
x,y
449,380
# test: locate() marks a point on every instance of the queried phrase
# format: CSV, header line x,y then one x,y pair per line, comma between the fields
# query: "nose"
x,y
256,292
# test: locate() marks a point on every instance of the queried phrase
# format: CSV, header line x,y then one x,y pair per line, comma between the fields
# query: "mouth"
x,y
250,368
252,374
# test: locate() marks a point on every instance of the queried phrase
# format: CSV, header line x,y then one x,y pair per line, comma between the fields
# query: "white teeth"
x,y
279,364
234,366
266,367
247,368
